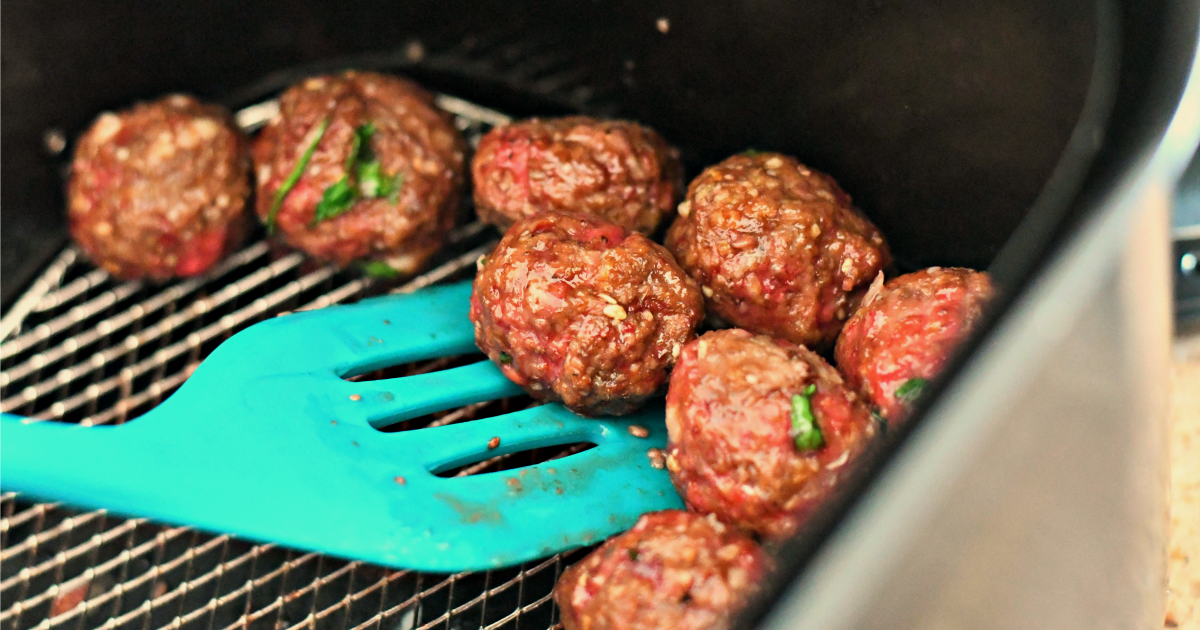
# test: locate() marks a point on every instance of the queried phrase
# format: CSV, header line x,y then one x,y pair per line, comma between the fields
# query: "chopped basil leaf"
x,y
360,146
294,176
369,180
804,430
911,389
751,152
633,554
337,199
505,358
379,269
373,183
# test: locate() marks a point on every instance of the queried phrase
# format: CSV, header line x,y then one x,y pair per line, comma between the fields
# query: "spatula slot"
x,y
466,413
414,368
518,459
388,402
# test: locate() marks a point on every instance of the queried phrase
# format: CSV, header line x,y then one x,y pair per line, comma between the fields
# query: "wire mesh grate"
x,y
81,347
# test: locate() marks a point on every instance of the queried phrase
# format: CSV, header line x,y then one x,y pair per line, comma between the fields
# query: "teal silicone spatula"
x,y
267,440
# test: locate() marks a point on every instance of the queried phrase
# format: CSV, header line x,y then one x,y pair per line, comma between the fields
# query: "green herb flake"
x,y
294,176
751,152
633,554
364,179
360,145
371,180
911,390
373,183
805,430
338,198
505,358
379,269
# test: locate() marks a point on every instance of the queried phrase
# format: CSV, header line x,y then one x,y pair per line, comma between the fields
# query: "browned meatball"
x,y
904,332
776,247
379,168
575,309
673,570
159,190
615,169
759,430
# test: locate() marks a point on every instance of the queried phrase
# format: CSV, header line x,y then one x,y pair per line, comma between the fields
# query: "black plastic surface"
x,y
1153,43
943,122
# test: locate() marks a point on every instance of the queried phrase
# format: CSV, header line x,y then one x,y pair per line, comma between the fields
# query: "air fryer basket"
x,y
945,123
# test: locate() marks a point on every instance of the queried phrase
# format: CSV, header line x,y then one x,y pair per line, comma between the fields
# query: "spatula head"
x,y
267,440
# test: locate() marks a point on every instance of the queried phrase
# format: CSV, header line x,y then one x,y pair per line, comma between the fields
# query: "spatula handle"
x,y
66,462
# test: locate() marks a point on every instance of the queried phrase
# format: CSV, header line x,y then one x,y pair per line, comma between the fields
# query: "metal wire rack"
x,y
81,347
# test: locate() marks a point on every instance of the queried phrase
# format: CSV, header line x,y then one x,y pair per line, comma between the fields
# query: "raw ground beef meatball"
x,y
159,190
904,332
382,182
673,570
575,309
615,169
776,247
759,430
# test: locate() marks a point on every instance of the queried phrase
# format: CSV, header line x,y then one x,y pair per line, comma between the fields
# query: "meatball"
x,y
776,247
575,309
159,190
615,169
360,167
760,430
904,332
674,570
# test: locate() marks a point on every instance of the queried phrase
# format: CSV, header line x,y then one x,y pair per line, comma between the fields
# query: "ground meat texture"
x,y
416,147
776,247
730,449
673,570
615,169
575,309
906,330
159,190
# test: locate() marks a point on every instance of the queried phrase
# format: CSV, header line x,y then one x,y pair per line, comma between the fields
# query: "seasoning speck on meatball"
x,y
575,309
759,430
903,333
360,167
674,570
776,247
159,190
615,169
